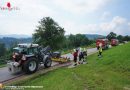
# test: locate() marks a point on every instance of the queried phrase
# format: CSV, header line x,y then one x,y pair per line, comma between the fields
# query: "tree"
x,y
78,40
71,40
126,38
49,33
81,40
120,38
2,49
111,35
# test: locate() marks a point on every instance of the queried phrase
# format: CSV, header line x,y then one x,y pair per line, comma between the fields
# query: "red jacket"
x,y
75,54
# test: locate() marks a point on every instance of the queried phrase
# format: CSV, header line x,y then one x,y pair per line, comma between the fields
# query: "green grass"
x,y
2,65
111,72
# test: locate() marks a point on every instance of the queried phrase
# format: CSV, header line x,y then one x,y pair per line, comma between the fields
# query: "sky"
x,y
75,16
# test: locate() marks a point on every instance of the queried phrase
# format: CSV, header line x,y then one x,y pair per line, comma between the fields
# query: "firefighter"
x,y
100,50
85,52
75,55
81,56
85,55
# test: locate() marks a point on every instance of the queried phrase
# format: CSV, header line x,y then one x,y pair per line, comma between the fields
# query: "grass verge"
x,y
2,65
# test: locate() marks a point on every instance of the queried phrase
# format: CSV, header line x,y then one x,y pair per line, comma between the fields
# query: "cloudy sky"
x,y
75,16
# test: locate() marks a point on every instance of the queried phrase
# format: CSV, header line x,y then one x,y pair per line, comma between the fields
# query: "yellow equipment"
x,y
61,59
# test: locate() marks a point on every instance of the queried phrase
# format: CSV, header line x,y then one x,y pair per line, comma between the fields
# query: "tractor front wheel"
x,y
48,62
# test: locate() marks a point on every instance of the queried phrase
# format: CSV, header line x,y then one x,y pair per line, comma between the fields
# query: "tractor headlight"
x,y
23,57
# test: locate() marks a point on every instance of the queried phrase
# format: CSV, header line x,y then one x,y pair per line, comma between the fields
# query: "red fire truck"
x,y
114,42
103,42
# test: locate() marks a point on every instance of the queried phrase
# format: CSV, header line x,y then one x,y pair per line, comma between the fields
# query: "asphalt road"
x,y
6,75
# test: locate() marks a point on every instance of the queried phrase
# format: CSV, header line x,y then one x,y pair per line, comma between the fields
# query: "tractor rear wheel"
x,y
30,66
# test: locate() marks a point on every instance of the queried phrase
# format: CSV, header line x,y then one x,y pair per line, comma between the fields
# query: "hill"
x,y
18,36
94,36
9,41
111,72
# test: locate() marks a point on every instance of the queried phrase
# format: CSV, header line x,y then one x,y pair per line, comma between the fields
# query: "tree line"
x,y
121,38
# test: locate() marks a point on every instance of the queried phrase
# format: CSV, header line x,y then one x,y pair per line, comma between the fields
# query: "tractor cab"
x,y
24,50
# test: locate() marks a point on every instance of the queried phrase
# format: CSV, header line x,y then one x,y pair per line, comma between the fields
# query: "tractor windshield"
x,y
19,50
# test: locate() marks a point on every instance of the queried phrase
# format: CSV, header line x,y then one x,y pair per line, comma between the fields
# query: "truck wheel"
x,y
48,62
30,66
